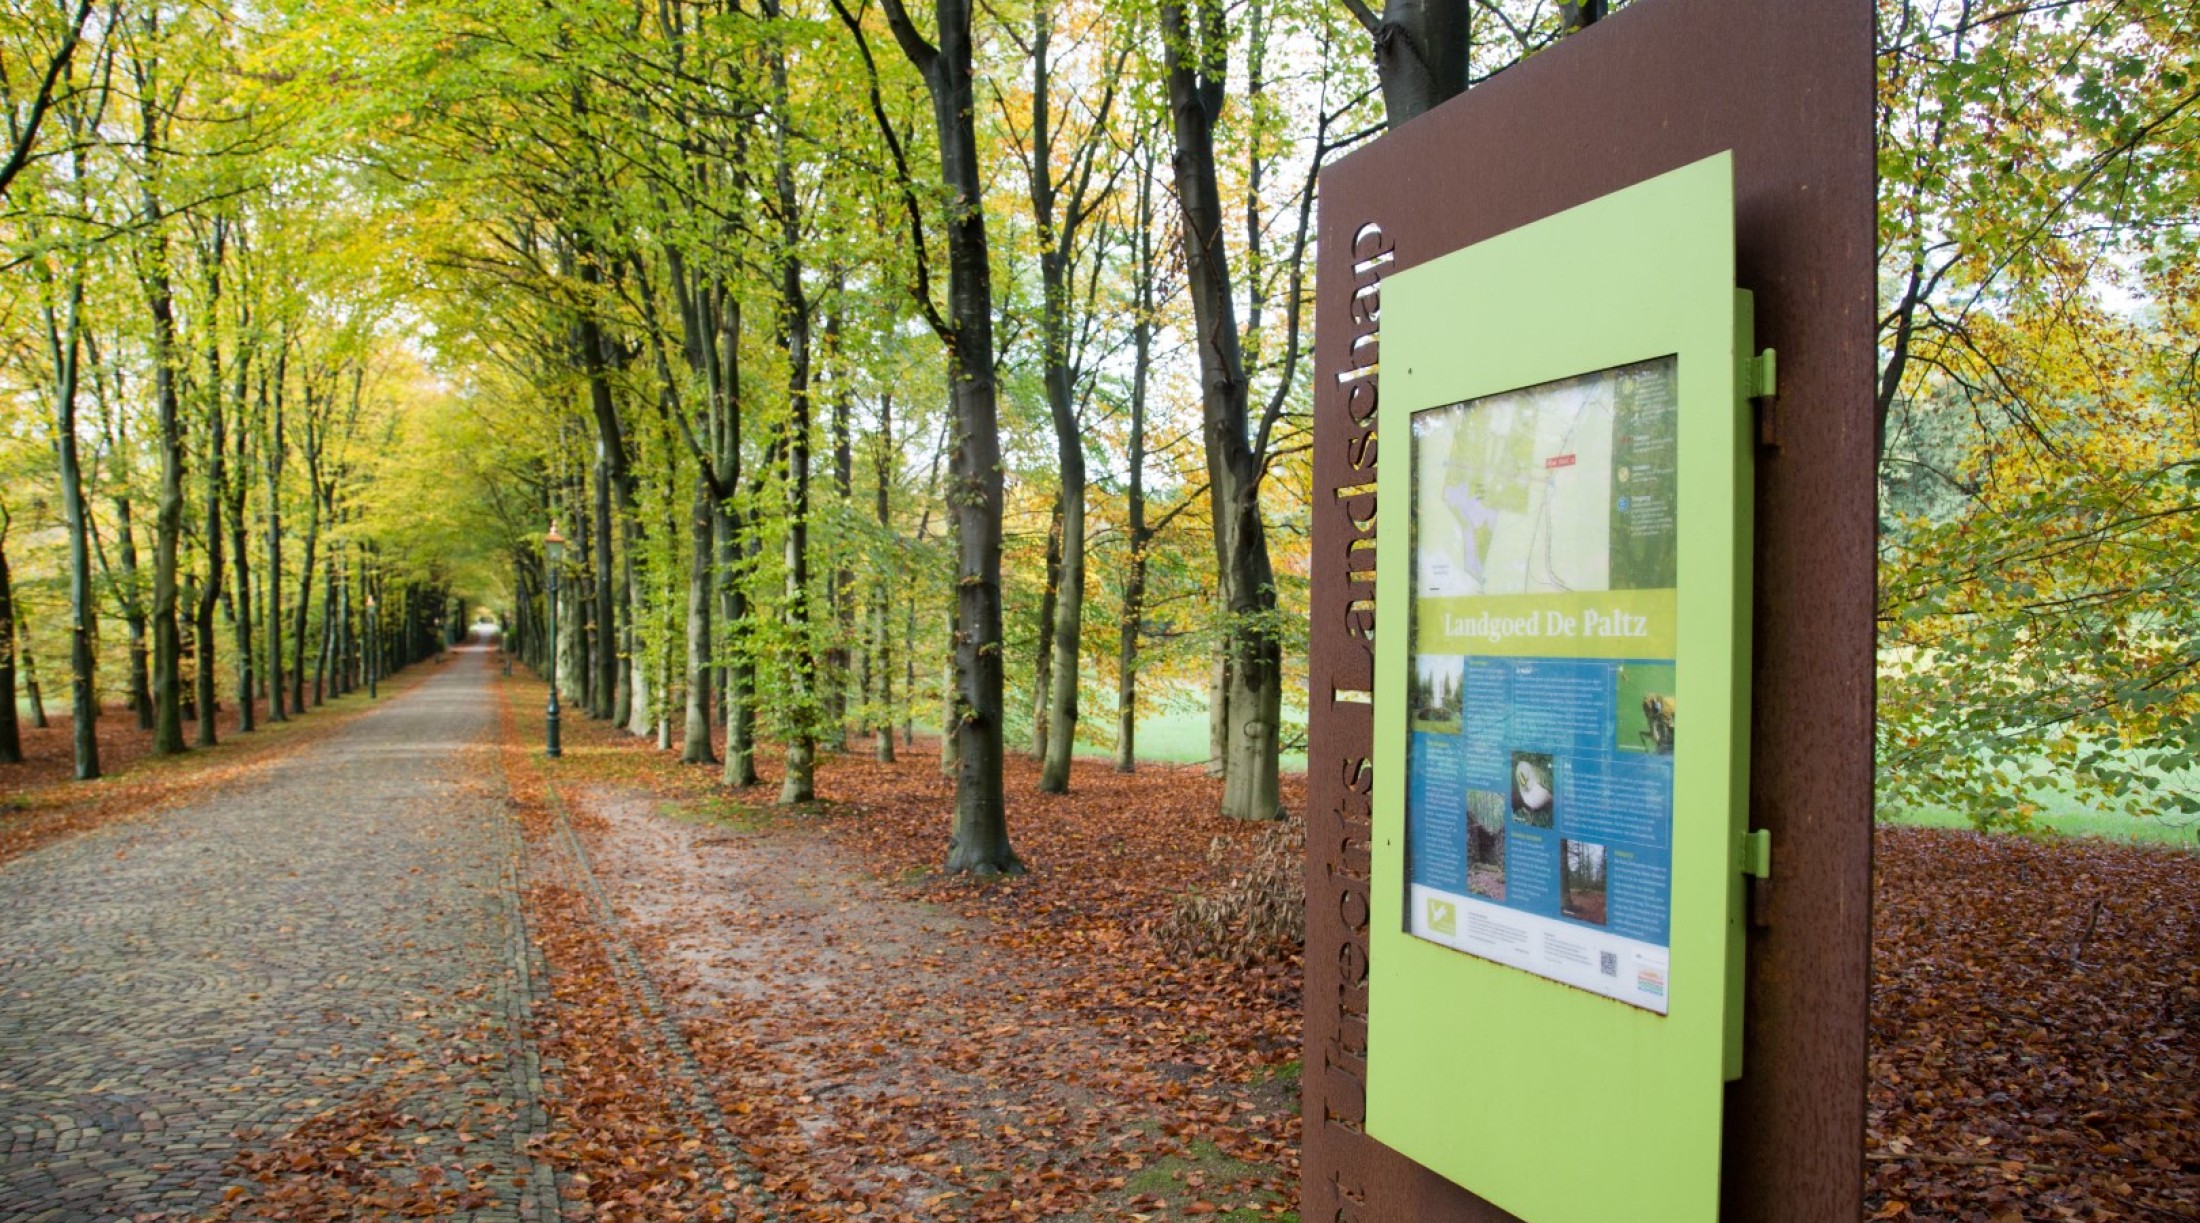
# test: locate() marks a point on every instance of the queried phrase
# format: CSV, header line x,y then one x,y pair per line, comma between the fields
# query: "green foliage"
x,y
2040,198
390,224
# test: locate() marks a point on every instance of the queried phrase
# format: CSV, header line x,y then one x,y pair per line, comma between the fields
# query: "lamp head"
x,y
553,546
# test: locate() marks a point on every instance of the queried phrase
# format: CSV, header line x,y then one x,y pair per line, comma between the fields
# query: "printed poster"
x,y
1539,791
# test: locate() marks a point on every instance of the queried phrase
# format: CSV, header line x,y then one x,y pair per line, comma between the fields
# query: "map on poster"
x,y
1539,792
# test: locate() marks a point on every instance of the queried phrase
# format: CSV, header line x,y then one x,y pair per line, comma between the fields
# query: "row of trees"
x,y
884,363
813,308
182,382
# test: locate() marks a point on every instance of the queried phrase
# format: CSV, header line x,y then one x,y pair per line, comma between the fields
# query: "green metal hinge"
x,y
1761,385
1757,853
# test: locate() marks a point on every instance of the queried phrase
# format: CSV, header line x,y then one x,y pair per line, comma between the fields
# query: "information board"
x,y
1539,796
1561,709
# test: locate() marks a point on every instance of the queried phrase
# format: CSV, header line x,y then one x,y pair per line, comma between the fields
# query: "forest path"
x,y
332,947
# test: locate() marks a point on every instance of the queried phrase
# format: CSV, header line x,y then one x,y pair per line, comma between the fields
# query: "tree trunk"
x,y
65,338
638,706
739,701
202,619
1254,685
611,690
1126,667
980,842
798,784
11,735
695,746
1421,53
1042,668
168,523
273,613
1068,634
1255,682
630,706
582,597
1134,583
571,645
604,679
133,614
637,699
341,658
160,305
843,589
1218,712
1060,210
202,622
794,338
305,603
664,679
247,673
883,660
326,656
30,681
884,653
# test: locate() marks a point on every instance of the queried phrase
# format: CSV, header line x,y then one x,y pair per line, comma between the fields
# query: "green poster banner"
x,y
1577,624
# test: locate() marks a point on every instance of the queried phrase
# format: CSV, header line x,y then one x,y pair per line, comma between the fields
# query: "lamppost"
x,y
374,647
553,552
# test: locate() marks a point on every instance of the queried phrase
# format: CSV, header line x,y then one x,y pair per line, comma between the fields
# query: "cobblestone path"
x,y
340,932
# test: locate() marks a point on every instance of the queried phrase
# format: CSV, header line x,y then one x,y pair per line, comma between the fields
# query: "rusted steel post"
x,y
1789,88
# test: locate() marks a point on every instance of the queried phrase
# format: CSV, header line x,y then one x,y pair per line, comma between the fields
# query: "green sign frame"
x,y
1555,1103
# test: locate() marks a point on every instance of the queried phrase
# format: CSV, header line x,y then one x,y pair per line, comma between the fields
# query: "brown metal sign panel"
x,y
1789,88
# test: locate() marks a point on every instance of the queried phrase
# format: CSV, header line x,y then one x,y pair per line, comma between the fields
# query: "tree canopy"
x,y
945,367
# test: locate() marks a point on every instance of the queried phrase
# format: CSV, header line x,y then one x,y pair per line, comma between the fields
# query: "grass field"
x,y
1175,733
2063,814
1179,736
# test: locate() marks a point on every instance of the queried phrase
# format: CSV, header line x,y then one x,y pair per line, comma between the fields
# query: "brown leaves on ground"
x,y
890,1043
1207,1050
2035,1030
887,1042
622,1146
364,1158
40,804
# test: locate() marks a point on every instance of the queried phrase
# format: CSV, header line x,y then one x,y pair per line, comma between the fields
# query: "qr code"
x,y
1608,963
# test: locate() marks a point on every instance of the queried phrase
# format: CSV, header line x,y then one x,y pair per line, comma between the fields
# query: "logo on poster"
x,y
1443,917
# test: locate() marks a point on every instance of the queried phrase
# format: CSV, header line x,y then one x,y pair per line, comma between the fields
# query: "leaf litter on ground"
x,y
886,1041
1041,1047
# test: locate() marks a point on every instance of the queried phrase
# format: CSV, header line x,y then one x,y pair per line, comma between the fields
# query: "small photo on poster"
x,y
1486,844
1644,708
1534,793
1581,881
1438,681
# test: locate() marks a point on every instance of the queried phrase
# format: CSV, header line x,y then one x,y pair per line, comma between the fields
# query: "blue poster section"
x,y
1554,795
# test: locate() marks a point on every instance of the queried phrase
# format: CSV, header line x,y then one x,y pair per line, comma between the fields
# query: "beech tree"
x,y
977,715
876,366
1063,204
